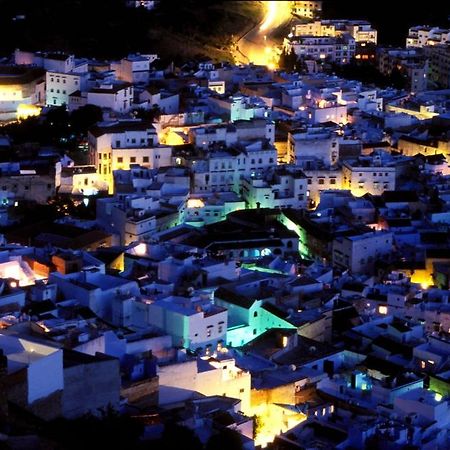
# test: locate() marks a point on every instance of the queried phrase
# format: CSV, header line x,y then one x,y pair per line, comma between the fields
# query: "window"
x,y
321,181
332,180
208,333
145,159
242,390
120,159
133,159
255,314
383,310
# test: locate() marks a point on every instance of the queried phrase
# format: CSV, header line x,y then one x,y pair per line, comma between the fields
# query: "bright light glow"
x,y
20,271
141,249
274,420
258,48
424,285
24,111
195,203
171,136
10,93
383,310
271,15
285,341
438,397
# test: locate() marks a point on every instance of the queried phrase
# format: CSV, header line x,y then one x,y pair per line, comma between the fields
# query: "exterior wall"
x,y
119,101
307,9
91,388
13,96
358,254
319,145
337,114
40,385
115,151
38,188
190,331
142,394
322,180
409,148
362,180
59,86
290,192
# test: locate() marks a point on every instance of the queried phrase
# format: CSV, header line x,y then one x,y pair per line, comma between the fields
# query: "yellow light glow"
x,y
171,137
195,203
424,285
285,341
383,310
274,420
271,15
24,111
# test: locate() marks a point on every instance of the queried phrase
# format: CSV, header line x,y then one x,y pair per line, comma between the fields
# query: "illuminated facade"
x,y
59,86
192,322
22,92
422,36
282,188
121,144
360,30
308,9
209,208
335,49
368,175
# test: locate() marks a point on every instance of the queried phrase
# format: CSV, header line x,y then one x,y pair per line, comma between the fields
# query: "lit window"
x,y
383,310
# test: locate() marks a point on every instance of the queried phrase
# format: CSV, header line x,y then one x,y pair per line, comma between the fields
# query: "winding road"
x,y
257,45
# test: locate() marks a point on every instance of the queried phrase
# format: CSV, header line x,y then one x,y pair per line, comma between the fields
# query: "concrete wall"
x,y
40,384
142,394
89,388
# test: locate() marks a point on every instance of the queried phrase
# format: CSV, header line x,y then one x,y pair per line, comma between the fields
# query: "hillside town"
x,y
263,254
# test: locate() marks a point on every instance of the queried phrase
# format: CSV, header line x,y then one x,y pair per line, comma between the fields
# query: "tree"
x,y
225,439
85,117
148,114
177,436
288,61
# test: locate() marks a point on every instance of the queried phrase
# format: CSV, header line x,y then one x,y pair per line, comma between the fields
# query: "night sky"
x,y
392,22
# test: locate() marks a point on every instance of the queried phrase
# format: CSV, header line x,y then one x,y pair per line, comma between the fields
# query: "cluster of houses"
x,y
272,245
